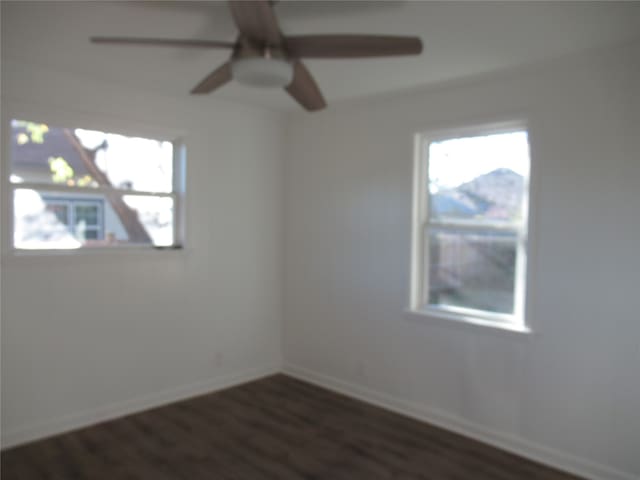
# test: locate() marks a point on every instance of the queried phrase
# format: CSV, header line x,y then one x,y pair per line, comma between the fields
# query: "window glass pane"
x,y
472,269
36,226
87,158
91,234
87,214
156,216
101,220
61,211
481,178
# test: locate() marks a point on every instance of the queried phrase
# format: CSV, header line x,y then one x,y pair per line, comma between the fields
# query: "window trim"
x,y
516,322
106,125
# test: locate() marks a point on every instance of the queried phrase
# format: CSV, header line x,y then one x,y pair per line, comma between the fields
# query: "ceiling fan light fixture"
x,y
262,72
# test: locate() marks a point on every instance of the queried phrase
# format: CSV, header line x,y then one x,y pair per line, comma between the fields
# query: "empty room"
x,y
320,240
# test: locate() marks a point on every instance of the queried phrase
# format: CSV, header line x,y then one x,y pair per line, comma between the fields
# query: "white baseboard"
x,y
520,446
66,423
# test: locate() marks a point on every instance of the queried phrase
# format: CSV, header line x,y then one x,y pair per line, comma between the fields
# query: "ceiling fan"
x,y
263,56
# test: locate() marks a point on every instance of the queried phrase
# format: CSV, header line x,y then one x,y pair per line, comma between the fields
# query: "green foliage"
x,y
61,170
85,181
36,132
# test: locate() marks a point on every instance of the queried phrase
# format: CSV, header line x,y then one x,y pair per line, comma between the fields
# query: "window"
x,y
79,188
470,225
82,217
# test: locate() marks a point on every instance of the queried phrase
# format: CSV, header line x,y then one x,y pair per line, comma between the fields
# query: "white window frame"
x,y
177,194
421,222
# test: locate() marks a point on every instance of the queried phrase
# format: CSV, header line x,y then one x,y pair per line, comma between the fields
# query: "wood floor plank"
x,y
276,428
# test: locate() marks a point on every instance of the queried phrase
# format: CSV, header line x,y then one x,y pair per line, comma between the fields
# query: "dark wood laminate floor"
x,y
275,428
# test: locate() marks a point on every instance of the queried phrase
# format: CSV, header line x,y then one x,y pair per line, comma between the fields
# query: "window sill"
x,y
467,322
91,255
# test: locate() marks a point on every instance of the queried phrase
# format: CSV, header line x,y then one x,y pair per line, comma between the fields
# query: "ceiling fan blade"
x,y
256,21
351,46
304,88
162,42
215,79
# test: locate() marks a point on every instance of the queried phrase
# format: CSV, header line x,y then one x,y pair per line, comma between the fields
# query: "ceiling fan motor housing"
x,y
262,72
268,67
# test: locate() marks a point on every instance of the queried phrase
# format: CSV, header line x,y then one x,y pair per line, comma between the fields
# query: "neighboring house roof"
x,y
444,205
34,156
495,195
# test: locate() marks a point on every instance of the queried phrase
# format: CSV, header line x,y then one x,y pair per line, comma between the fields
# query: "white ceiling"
x,y
461,39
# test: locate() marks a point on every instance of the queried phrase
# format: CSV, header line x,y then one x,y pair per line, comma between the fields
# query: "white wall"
x,y
570,393
90,336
